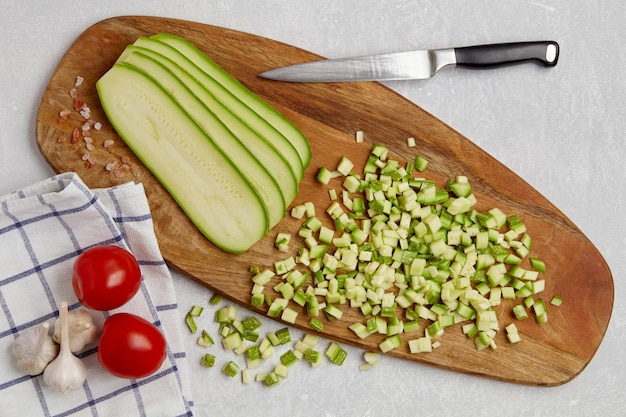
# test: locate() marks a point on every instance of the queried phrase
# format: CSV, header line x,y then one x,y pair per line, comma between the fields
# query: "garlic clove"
x,y
82,330
66,372
34,350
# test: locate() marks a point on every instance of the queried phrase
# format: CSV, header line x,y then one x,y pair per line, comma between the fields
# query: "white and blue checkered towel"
x,y
43,228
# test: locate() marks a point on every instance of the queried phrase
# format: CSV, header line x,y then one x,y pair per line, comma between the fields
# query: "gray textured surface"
x,y
559,129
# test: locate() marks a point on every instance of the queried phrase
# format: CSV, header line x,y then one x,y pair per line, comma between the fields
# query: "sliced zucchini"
x,y
229,100
200,177
266,153
253,171
251,100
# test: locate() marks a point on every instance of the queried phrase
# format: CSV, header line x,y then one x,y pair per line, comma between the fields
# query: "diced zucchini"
x,y
557,300
404,244
191,322
232,341
208,360
206,340
422,344
316,324
288,358
421,163
336,354
538,264
231,369
323,175
520,312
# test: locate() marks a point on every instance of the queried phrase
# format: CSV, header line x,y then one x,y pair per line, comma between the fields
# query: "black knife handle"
x,y
485,56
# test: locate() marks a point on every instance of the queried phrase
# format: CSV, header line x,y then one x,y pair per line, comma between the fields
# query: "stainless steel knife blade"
x,y
420,64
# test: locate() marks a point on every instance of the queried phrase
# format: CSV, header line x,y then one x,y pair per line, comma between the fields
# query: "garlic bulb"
x,y
82,330
34,349
66,372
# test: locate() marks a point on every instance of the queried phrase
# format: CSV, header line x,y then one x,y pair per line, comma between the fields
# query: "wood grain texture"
x,y
329,114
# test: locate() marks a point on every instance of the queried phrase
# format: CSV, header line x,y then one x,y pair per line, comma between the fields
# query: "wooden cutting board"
x,y
329,114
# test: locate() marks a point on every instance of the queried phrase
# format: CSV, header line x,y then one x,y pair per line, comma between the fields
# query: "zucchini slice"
x,y
250,167
263,150
206,184
251,100
232,103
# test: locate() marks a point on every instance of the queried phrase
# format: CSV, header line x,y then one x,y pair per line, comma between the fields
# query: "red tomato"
x,y
130,346
105,277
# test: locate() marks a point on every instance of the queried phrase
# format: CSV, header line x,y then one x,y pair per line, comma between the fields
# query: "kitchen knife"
x,y
417,64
